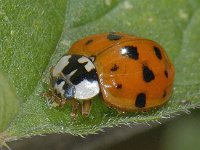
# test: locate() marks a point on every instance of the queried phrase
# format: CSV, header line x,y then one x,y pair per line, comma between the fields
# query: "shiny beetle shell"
x,y
133,73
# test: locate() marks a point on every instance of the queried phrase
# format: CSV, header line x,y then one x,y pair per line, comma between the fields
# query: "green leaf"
x,y
30,34
9,104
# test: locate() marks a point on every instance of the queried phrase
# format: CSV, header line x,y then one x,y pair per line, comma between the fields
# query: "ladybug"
x,y
132,73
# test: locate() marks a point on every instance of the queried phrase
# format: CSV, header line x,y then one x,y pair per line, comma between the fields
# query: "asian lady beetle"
x,y
132,73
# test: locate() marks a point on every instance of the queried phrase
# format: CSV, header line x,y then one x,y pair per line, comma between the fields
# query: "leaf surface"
x,y
30,35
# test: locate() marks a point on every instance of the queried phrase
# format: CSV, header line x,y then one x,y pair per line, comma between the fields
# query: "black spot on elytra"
x,y
119,86
157,52
88,42
164,94
81,73
114,68
166,73
148,74
140,100
113,36
130,51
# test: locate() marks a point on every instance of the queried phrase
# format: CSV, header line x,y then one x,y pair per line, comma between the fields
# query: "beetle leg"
x,y
75,108
50,95
86,107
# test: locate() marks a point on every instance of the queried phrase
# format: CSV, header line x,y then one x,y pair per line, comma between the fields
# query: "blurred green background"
x,y
180,133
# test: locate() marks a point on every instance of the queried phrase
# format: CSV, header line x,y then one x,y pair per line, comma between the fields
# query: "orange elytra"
x,y
132,73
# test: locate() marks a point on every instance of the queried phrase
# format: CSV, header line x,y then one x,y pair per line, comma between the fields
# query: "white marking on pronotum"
x,y
86,89
89,66
83,59
72,73
59,88
92,58
64,61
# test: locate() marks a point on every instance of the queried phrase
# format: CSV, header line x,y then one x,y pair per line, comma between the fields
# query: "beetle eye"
x,y
64,89
69,91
